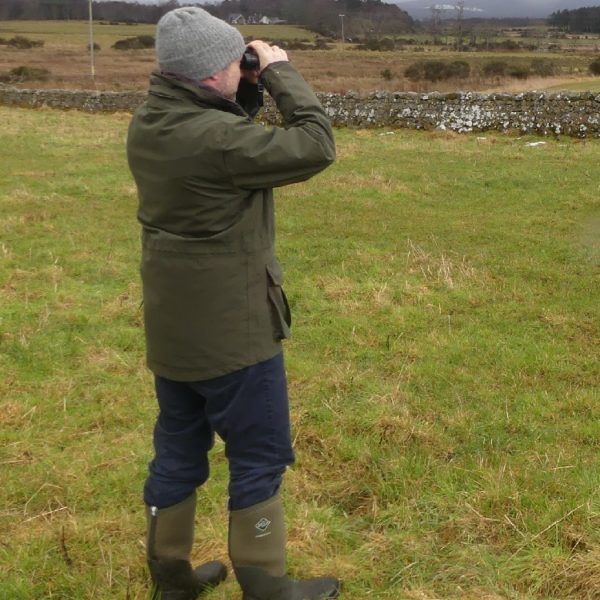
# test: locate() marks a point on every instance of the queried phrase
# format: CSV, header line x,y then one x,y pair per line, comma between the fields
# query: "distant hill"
x,y
419,9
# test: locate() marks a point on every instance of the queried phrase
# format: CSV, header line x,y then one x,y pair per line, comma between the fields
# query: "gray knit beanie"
x,y
193,43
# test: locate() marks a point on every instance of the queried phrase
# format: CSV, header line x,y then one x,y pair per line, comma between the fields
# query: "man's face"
x,y
230,80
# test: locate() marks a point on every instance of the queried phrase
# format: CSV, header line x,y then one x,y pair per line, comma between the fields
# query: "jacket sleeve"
x,y
258,157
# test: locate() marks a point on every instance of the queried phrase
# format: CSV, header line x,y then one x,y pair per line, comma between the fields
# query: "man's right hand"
x,y
268,54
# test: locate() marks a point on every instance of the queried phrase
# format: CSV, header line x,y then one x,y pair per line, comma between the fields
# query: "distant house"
x,y
271,21
237,19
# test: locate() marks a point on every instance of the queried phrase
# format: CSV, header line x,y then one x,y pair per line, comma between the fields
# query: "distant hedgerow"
x,y
383,45
301,44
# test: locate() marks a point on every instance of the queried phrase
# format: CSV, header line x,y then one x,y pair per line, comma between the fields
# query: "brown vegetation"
x,y
339,69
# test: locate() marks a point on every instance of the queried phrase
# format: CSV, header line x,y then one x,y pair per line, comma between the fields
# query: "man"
x,y
214,310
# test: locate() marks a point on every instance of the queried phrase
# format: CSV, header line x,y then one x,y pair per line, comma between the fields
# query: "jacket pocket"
x,y
281,317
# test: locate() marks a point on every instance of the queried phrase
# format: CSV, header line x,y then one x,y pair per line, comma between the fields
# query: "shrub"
x,y
459,69
414,72
437,70
23,43
386,44
543,67
387,74
496,68
519,72
24,73
595,67
96,47
139,42
509,45
321,44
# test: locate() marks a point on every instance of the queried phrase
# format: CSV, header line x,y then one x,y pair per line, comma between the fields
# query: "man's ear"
x,y
214,81
211,79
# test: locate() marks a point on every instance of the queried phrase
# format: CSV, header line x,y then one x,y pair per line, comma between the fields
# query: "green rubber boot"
x,y
257,551
169,546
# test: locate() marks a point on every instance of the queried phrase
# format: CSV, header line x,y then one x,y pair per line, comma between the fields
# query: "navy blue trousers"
x,y
248,409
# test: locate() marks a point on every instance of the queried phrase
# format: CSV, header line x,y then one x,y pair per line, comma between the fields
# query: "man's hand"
x,y
268,54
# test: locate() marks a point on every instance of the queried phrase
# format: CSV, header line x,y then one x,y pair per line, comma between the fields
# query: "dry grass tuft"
x,y
439,268
127,302
13,414
576,577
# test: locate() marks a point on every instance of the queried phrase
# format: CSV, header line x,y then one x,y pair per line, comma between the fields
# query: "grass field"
x,y
77,32
578,86
340,69
443,371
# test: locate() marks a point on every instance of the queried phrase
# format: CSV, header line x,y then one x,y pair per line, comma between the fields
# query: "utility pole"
x,y
342,19
460,7
92,65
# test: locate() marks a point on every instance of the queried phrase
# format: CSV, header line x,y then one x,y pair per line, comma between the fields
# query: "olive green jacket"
x,y
213,301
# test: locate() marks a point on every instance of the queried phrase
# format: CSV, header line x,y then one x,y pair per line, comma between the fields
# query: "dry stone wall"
x,y
574,114
90,101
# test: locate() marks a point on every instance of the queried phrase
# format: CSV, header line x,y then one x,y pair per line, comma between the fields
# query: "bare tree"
x,y
436,21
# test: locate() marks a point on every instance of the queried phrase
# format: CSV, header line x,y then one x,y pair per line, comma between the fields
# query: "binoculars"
x,y
250,60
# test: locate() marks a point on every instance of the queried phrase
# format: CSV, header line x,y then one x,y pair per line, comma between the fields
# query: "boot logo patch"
x,y
262,527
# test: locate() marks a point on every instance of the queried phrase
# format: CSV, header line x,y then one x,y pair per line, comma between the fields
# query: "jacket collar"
x,y
181,91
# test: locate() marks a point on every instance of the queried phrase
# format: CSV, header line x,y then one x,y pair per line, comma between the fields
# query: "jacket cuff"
x,y
270,65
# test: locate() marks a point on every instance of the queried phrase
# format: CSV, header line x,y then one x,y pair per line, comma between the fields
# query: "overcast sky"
x,y
476,8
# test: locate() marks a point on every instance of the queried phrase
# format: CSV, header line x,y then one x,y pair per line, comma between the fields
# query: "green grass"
x,y
589,85
443,371
72,32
